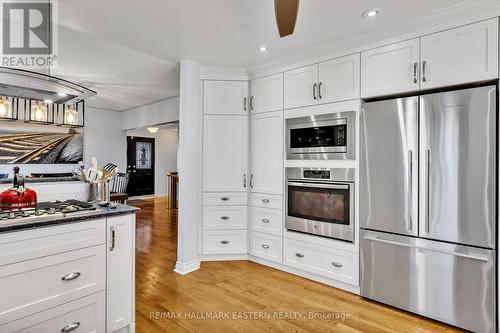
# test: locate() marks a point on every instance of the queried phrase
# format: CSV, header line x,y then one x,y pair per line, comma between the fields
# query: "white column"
x,y
189,166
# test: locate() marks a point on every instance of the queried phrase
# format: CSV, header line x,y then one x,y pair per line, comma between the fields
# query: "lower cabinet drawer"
x,y
224,218
85,315
265,246
31,286
225,242
335,264
267,220
266,200
225,199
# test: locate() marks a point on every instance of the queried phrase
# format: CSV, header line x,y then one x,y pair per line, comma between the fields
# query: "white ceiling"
x,y
129,50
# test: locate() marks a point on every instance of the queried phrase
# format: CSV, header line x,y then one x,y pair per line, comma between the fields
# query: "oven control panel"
x,y
317,174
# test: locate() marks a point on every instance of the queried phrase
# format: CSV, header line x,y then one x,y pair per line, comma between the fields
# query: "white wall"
x,y
165,111
166,142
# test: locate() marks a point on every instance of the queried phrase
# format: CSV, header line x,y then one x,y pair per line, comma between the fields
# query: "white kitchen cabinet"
x,y
225,153
120,272
267,153
225,242
225,97
267,94
224,218
301,87
390,69
266,246
339,79
460,55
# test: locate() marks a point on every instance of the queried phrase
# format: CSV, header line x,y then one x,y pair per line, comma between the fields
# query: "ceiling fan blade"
x,y
286,15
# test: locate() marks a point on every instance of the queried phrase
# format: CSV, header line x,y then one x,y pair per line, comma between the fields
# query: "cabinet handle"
x,y
337,264
265,246
251,102
251,180
319,90
424,69
224,199
113,238
224,242
71,327
265,220
415,74
314,91
266,201
71,276
300,255
244,103
225,218
244,180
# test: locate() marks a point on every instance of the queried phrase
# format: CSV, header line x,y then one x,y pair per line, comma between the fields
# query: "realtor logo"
x,y
29,33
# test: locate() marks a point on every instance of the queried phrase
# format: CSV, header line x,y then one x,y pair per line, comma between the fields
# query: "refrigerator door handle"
x,y
427,190
410,188
421,248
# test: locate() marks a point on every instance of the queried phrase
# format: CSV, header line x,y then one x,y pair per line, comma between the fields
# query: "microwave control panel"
x,y
317,174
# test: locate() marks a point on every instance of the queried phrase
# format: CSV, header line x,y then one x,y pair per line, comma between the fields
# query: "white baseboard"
x,y
224,257
188,267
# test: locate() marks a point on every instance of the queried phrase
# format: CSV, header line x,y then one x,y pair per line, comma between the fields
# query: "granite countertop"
x,y
60,218
41,180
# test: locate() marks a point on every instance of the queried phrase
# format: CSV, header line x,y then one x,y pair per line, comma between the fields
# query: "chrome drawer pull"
x,y
71,276
300,255
224,199
265,246
265,201
265,220
224,242
70,327
224,217
337,264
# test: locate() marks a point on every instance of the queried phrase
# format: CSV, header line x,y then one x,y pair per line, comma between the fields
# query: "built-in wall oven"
x,y
321,202
321,137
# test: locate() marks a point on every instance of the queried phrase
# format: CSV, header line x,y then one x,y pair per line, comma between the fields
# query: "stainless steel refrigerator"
x,y
428,205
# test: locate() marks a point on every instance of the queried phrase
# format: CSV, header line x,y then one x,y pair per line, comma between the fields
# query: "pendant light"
x,y
72,115
39,112
153,130
8,108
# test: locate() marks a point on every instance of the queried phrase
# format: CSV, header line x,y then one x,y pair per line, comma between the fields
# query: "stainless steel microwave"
x,y
321,137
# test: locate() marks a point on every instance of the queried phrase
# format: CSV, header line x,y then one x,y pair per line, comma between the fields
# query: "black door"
x,y
140,165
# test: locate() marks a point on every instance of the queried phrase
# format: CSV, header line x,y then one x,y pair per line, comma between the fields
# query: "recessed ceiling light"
x,y
61,94
371,12
263,48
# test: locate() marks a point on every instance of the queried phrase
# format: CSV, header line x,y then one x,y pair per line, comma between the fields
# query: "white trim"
x,y
224,257
223,73
188,267
444,19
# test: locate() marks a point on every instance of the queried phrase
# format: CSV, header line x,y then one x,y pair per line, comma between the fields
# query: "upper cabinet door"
x,y
339,79
390,69
301,87
225,150
267,94
267,153
461,55
225,97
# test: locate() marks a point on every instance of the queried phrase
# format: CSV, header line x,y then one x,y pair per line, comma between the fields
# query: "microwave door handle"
x,y
320,185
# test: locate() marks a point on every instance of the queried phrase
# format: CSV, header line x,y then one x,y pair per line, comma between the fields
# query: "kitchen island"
x,y
63,272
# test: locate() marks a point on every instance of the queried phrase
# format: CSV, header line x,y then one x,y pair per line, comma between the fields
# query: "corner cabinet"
x,y
462,55
225,97
120,286
267,94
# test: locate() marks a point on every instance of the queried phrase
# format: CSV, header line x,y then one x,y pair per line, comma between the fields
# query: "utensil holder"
x,y
93,192
105,193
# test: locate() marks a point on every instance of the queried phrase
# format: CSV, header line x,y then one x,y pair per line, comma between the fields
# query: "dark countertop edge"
x,y
42,180
108,212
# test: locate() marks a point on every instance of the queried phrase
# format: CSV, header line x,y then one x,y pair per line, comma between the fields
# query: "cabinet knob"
x,y
300,255
265,246
70,327
337,264
265,220
224,218
224,242
265,201
224,199
71,276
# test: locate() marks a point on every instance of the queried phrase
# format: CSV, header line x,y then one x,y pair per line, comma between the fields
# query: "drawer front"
x,y
40,242
224,218
266,201
35,285
87,314
266,246
331,263
267,220
225,199
225,242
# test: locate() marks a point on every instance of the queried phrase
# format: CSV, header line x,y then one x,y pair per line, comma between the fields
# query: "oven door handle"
x,y
320,185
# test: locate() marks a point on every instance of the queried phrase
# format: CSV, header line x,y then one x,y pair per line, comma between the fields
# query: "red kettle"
x,y
18,197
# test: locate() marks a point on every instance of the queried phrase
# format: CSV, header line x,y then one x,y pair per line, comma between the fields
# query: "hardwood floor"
x,y
243,287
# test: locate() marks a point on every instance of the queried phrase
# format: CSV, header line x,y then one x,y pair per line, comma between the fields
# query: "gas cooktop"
x,y
47,209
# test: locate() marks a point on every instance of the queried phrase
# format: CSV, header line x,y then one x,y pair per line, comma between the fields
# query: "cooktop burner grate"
x,y
48,208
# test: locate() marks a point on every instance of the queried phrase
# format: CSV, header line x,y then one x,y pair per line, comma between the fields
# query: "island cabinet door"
x,y
120,272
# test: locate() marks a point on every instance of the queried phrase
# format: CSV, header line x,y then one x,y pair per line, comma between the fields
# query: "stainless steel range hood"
x,y
36,86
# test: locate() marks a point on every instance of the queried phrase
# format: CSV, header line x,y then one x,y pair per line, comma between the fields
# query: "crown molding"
x,y
447,18
223,73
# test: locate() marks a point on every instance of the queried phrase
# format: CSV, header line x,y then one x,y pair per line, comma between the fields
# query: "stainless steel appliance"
x,y
428,205
321,137
320,202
